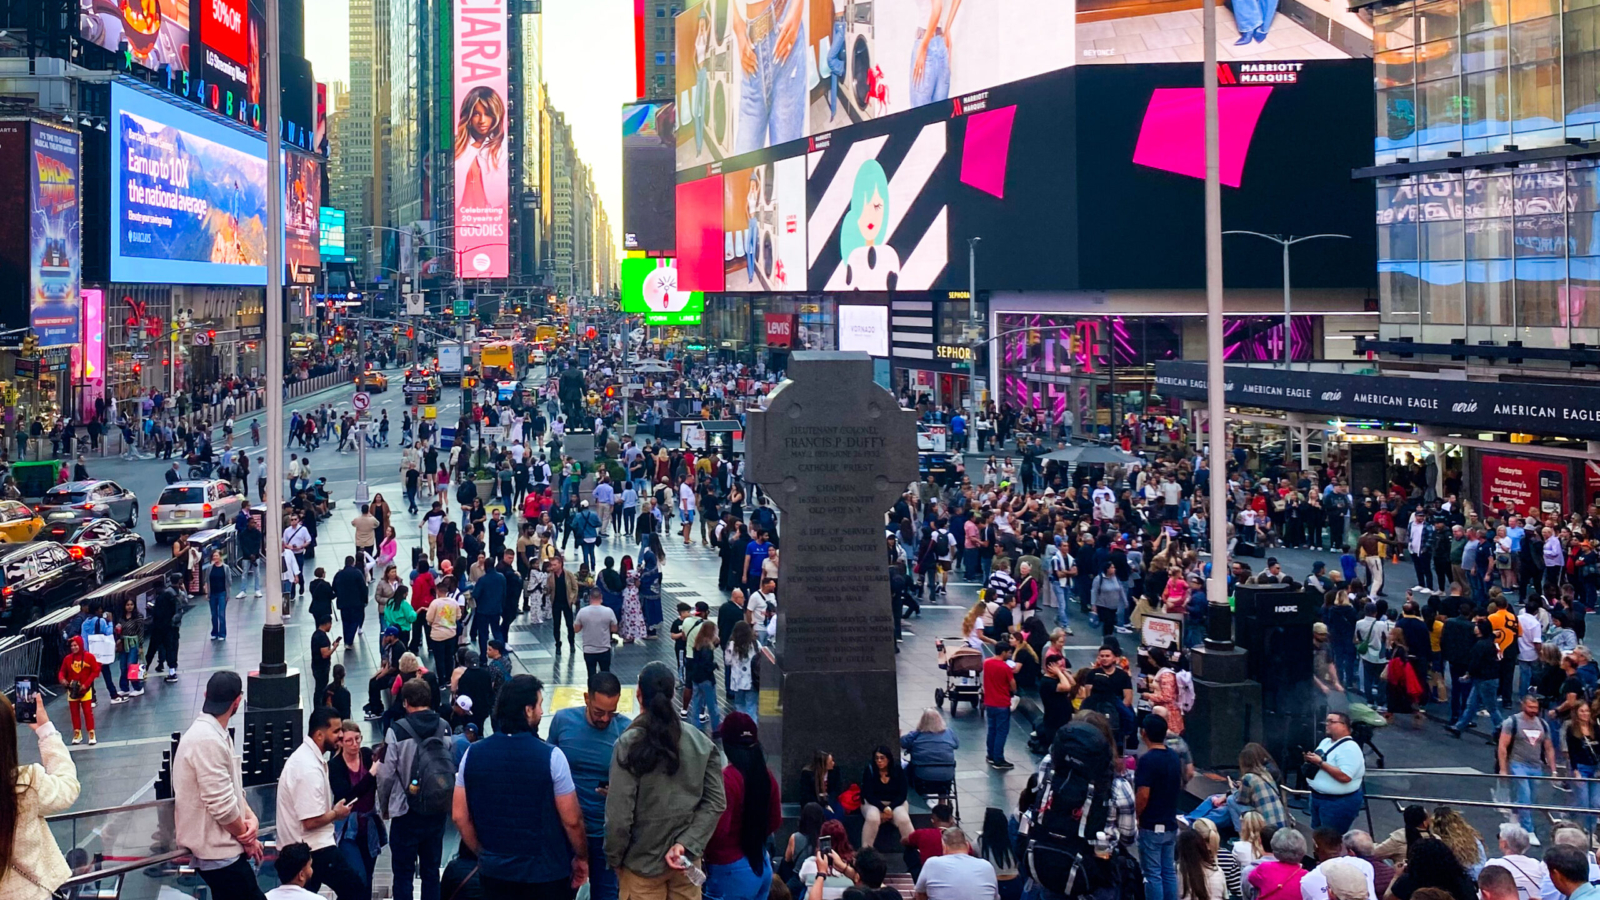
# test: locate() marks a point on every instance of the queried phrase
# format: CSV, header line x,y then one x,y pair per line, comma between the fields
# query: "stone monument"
x,y
833,450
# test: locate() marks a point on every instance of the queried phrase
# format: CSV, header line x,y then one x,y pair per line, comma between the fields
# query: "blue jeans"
x,y
704,699
1157,863
748,702
1485,695
752,244
219,615
772,102
999,719
935,82
736,881
1255,15
1336,812
602,880
1586,792
1522,790
698,106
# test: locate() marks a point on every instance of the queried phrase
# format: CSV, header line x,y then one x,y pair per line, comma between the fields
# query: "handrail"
x,y
1443,801
105,811
1372,772
123,868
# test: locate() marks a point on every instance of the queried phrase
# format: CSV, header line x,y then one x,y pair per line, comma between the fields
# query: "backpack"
x,y
1055,841
1185,691
431,787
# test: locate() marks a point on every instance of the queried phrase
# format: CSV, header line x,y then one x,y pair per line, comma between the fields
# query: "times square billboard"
x,y
482,184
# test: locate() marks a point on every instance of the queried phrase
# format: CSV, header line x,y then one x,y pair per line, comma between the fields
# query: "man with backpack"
x,y
416,790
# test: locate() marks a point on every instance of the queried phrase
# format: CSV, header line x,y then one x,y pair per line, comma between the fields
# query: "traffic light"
x,y
590,334
138,368
611,391
410,332
211,335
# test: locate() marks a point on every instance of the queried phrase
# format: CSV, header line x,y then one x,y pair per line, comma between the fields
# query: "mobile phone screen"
x,y
825,844
24,703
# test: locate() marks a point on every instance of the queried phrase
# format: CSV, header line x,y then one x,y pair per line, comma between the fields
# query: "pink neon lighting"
x,y
1173,135
986,150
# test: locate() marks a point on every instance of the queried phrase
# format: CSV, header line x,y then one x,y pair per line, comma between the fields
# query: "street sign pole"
x,y
361,459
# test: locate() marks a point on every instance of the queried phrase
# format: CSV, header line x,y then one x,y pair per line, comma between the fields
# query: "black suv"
x,y
36,578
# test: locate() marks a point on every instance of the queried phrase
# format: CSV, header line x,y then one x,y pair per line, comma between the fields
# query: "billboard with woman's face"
x,y
482,185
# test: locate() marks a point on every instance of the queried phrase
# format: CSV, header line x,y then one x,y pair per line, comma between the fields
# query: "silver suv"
x,y
190,506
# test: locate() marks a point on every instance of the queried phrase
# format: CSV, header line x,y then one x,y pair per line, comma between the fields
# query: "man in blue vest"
x,y
516,805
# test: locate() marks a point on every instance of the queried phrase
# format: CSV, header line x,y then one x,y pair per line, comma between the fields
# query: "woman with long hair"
x,y
1432,864
700,668
1232,874
995,846
736,858
803,842
632,627
821,783
1251,847
1198,875
480,148
31,864
659,775
1583,752
740,656
1417,825
841,859
1455,832
883,796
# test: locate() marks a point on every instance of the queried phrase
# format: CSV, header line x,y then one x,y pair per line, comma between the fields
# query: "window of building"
x,y
661,59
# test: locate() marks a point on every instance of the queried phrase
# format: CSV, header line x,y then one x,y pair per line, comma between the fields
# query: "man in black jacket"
x,y
350,595
1483,669
512,604
1455,645
164,629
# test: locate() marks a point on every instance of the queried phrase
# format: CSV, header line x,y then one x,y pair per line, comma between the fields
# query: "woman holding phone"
x,y
29,857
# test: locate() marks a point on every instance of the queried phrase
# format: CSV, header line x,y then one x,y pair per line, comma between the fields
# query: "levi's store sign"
x,y
1554,410
780,329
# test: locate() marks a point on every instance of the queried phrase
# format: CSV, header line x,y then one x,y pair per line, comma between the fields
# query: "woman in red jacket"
x,y
78,671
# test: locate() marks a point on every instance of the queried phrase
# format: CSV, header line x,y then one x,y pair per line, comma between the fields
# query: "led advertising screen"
x,y
157,31
332,221
647,177
481,151
225,45
188,198
878,57
1255,33
879,219
302,219
650,288
764,223
864,328
701,256
90,373
54,234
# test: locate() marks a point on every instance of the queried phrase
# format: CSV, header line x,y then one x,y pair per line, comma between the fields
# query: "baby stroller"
x,y
963,674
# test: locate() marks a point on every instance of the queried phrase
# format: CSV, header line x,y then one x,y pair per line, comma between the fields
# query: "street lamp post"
x,y
273,713
1221,638
1287,241
972,365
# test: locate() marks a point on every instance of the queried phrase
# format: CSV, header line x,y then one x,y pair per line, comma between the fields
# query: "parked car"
x,y
109,549
18,522
79,501
190,506
36,578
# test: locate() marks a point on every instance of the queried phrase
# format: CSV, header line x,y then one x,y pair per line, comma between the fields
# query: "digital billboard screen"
x,y
188,197
481,150
302,219
332,221
225,45
698,212
650,288
157,31
54,253
879,218
864,328
1249,31
764,224
647,177
805,67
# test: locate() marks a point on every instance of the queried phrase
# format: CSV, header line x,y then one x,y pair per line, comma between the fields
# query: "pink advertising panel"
x,y
482,215
90,355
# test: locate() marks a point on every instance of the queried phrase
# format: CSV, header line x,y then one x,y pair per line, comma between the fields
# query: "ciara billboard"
x,y
482,216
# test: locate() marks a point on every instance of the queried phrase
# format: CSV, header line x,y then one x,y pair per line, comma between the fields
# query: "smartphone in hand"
x,y
26,688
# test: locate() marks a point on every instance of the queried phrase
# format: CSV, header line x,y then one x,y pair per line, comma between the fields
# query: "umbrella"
x,y
1091,455
652,366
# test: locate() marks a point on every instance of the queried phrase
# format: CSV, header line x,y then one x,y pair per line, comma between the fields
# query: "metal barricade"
x,y
18,656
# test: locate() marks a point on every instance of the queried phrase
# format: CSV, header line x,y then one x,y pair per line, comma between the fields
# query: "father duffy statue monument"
x,y
833,450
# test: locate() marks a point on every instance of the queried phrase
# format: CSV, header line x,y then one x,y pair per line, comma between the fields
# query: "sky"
x,y
589,79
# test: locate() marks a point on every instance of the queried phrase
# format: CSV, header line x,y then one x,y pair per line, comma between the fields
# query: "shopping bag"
x,y
135,672
103,647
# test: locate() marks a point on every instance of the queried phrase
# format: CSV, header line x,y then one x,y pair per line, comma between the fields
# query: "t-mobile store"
x,y
1522,446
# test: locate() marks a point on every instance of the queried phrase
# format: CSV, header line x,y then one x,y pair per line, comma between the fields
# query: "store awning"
x,y
1552,410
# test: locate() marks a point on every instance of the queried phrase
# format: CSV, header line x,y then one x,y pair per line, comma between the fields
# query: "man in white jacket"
x,y
213,821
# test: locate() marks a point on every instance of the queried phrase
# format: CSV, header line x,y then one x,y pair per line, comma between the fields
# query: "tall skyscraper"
x,y
527,114
365,128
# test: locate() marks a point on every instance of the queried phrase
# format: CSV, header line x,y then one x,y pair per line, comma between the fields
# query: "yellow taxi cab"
x,y
375,382
18,522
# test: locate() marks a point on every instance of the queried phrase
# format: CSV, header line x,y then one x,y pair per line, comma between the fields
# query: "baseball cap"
x,y
1319,628
222,688
464,703
738,728
392,631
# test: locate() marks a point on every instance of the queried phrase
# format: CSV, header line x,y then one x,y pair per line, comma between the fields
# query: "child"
x,y
1347,564
499,663
78,671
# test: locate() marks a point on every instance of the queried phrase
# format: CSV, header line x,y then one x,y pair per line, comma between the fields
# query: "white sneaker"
x,y
239,596
1533,839
259,595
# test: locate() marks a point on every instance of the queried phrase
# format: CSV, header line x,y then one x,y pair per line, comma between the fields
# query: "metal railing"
x,y
1570,813
19,655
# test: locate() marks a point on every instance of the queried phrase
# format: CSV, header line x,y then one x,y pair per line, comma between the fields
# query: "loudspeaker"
x,y
1273,624
1225,718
